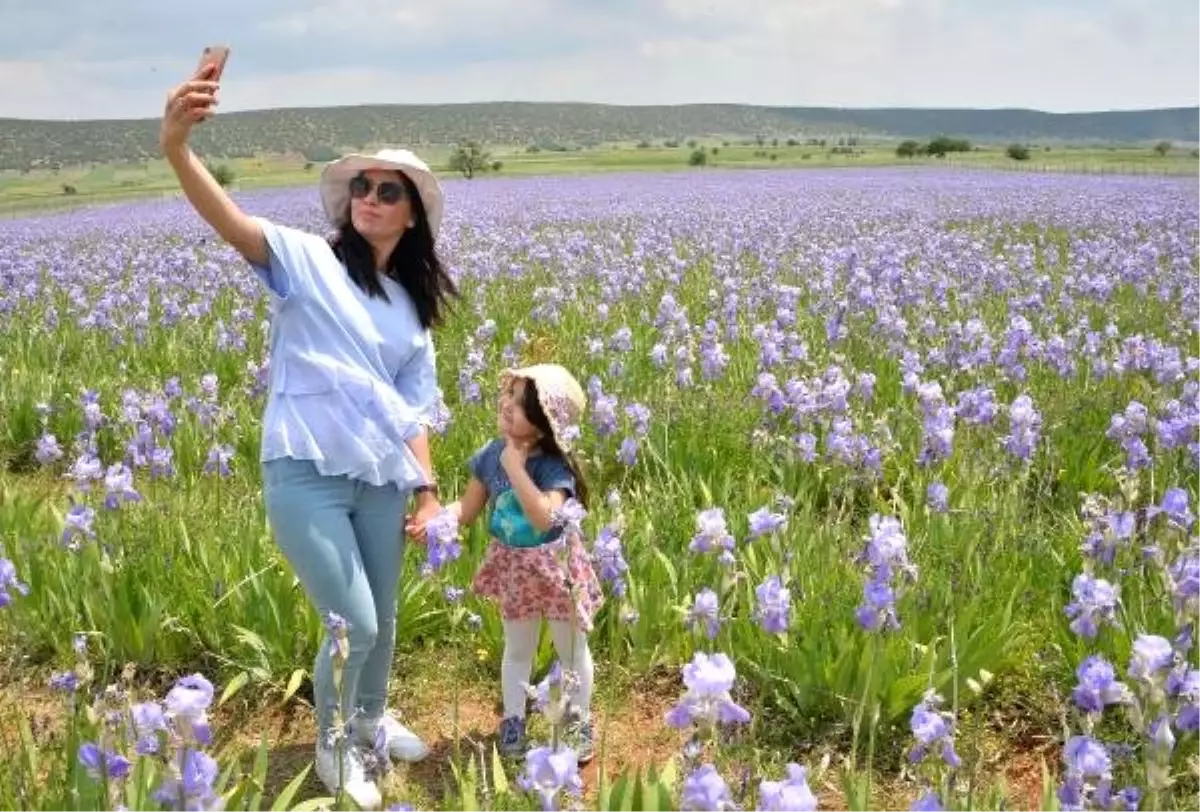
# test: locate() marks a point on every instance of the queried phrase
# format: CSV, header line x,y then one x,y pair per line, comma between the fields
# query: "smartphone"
x,y
214,55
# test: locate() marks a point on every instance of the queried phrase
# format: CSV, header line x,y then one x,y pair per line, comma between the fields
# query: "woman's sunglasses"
x,y
388,192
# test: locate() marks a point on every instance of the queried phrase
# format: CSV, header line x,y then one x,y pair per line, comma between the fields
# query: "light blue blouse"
x,y
351,378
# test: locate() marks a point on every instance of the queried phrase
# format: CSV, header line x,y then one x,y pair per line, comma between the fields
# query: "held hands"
x,y
428,506
512,458
190,102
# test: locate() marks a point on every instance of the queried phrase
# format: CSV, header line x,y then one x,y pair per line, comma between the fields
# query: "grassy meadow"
x,y
901,460
44,189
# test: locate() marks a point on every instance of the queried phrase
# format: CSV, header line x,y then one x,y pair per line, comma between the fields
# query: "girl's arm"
x,y
537,505
469,506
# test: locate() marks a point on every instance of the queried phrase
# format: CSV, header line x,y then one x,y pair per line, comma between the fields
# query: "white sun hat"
x,y
335,183
562,398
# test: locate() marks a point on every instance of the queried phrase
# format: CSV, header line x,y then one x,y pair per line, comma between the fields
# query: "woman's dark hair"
x,y
532,406
414,263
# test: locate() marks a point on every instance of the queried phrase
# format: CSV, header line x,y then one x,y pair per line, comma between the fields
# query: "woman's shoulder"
x,y
292,245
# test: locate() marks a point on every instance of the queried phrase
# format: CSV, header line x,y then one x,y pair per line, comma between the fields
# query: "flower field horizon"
x,y
878,457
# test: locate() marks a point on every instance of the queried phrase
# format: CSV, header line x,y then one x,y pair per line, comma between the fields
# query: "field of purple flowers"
x,y
880,456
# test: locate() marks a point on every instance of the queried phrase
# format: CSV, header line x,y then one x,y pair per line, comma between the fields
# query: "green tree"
x,y
908,149
470,158
1162,148
223,174
944,144
1018,152
698,158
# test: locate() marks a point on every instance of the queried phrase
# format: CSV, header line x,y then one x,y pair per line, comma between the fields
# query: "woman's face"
x,y
380,208
511,419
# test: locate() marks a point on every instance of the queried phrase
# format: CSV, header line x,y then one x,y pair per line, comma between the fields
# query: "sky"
x,y
80,59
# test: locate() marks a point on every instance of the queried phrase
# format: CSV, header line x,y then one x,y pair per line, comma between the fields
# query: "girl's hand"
x,y
188,103
515,453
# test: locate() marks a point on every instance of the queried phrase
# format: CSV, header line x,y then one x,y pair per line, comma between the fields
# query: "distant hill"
x,y
317,131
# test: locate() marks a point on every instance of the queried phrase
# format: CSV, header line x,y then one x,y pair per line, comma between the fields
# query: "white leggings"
x,y
520,644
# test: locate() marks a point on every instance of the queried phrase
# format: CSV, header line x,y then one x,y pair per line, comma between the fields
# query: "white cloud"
x,y
406,21
1056,55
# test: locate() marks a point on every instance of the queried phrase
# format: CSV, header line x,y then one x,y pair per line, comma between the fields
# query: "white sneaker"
x,y
358,787
402,743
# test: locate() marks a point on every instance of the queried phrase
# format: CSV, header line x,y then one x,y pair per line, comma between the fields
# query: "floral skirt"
x,y
530,582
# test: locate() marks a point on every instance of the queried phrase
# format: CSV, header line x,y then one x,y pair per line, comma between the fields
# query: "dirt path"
x,y
629,734
628,727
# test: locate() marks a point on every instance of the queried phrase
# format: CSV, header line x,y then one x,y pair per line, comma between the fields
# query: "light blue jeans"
x,y
344,539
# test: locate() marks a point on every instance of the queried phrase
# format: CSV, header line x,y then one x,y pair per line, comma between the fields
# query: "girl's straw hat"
x,y
560,395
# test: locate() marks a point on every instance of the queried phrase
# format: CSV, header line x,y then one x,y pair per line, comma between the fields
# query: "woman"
x,y
353,387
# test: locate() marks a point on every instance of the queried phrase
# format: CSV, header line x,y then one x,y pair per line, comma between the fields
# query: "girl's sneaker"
x,y
511,737
579,736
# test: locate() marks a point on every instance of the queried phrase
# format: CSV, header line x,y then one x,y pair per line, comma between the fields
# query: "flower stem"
x,y
862,705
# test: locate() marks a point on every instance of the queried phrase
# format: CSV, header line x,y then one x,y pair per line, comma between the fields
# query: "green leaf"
x,y
223,778
637,801
236,684
903,692
260,773
234,797
468,800
663,799
672,575
138,789
669,776
284,800
854,786
1049,795
499,778
314,804
294,684
250,638
28,747
617,797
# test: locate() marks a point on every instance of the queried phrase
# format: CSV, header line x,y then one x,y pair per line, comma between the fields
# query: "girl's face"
x,y
511,419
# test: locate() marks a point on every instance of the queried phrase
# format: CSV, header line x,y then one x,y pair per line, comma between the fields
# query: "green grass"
x,y
43,189
190,579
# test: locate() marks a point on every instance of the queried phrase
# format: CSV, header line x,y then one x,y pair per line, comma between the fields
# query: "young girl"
x,y
530,569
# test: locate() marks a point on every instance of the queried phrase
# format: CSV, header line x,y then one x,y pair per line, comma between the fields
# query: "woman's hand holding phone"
x,y
192,101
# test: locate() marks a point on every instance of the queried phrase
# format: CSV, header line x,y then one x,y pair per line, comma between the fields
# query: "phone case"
x,y
214,54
